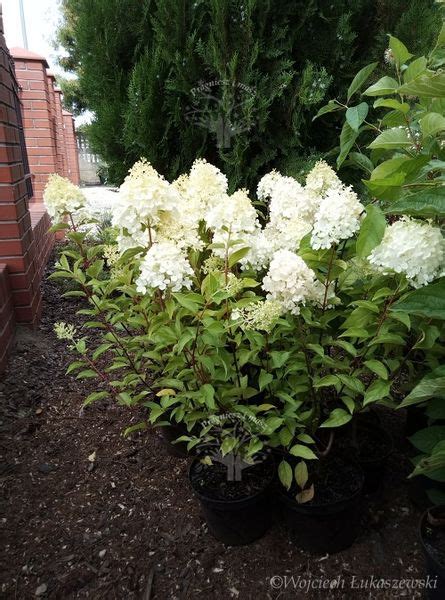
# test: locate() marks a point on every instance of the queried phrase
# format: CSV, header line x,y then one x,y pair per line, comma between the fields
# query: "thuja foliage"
x,y
233,81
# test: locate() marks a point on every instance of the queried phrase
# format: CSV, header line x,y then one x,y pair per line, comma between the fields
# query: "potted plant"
x,y
295,313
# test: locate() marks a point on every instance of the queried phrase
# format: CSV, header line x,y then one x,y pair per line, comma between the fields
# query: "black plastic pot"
x,y
236,522
435,568
374,467
321,528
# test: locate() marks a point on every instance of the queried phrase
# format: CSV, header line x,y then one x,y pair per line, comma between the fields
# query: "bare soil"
x,y
87,513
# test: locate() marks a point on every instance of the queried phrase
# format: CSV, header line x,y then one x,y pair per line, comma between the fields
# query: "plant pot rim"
x,y
437,565
317,505
232,503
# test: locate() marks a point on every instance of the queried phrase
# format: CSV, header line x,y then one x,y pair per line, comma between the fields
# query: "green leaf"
x,y
391,139
360,79
355,115
186,302
301,474
415,68
371,231
377,367
337,418
362,161
429,85
303,452
228,445
432,123
427,388
347,140
388,338
384,86
352,383
86,374
426,439
377,391
264,379
391,103
326,381
428,301
237,256
279,358
399,51
424,203
95,396
285,474
331,106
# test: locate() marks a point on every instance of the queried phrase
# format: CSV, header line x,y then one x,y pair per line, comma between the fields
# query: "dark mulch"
x,y
88,513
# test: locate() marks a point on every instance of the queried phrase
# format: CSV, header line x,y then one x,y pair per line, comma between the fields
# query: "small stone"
x,y
102,553
41,590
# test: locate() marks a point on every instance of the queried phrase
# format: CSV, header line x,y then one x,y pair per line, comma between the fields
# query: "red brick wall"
x,y
24,242
40,134
62,158
6,316
71,148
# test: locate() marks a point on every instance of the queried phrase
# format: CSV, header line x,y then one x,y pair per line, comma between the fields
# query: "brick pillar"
x,y
62,157
16,236
38,116
71,146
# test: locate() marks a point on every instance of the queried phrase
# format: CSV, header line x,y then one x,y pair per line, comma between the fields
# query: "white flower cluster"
x,y
232,218
61,197
413,248
64,331
164,266
258,315
143,198
291,282
321,178
337,217
206,184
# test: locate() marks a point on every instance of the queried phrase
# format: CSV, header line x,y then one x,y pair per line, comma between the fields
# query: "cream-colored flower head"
x,y
291,282
413,248
61,197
